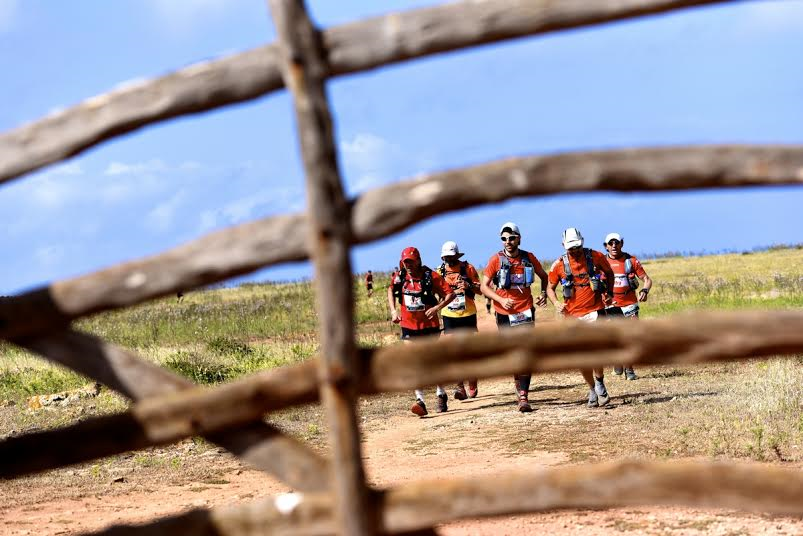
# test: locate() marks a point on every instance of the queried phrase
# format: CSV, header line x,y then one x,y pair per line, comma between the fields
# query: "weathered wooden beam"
x,y
258,444
354,47
304,71
383,211
547,348
255,442
420,504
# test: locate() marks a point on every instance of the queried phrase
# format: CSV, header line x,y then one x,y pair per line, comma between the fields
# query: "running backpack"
x,y
593,277
463,274
502,277
632,280
426,286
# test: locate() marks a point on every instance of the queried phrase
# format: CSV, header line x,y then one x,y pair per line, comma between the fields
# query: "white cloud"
x,y
245,208
772,16
139,168
72,168
182,16
161,217
8,14
49,255
370,159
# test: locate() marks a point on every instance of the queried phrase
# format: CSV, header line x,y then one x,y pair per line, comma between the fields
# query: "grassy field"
x,y
749,410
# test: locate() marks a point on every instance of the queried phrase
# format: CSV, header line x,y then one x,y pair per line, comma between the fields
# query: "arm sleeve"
x,y
472,274
554,273
439,284
638,269
492,267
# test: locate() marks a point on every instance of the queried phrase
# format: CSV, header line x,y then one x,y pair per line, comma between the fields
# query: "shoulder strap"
x,y
628,264
589,262
442,269
463,268
503,260
567,268
525,257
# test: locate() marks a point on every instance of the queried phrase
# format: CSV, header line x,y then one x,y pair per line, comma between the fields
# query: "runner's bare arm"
x,y
395,317
550,292
446,300
488,292
540,301
644,292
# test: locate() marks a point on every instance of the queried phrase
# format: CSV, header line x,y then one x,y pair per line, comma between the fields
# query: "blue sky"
x,y
722,74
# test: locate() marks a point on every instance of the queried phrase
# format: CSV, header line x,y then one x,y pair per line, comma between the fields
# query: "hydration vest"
x,y
632,280
502,277
568,281
469,292
426,287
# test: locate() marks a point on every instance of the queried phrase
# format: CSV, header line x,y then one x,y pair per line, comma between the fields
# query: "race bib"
x,y
517,319
414,303
630,310
458,303
517,279
593,316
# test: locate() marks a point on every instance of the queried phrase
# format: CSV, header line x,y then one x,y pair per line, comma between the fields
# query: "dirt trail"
x,y
402,447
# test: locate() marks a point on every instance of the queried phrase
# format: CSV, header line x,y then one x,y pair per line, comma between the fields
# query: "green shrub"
x,y
198,368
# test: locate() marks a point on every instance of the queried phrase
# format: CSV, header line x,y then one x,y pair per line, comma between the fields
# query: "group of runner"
x,y
594,285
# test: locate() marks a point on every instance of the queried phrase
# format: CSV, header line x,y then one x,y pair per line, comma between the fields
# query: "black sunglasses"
x,y
613,241
509,238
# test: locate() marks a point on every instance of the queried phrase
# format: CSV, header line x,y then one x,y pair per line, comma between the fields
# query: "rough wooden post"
x,y
304,71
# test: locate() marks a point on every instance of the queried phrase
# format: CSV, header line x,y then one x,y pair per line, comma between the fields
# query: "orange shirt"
x,y
622,293
522,295
463,304
413,308
584,300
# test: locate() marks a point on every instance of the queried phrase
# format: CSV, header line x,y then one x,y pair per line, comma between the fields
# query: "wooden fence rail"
x,y
337,499
392,38
551,347
421,504
381,212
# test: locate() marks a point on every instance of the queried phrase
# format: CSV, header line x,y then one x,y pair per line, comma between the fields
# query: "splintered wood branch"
x,y
304,71
384,211
683,339
353,47
422,504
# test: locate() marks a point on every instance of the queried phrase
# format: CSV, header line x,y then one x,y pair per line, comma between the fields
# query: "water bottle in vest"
x,y
568,289
504,277
594,282
529,274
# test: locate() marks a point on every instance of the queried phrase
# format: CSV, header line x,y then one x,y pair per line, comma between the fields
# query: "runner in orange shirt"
x,y
579,271
627,271
512,272
421,293
461,314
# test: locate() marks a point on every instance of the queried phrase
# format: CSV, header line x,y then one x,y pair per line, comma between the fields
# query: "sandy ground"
x,y
394,453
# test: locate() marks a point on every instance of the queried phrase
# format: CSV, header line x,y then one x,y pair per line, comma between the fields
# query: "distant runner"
x,y
512,271
369,283
579,271
461,314
421,293
627,270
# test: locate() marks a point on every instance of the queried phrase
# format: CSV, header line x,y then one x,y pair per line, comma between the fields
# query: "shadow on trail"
x,y
669,398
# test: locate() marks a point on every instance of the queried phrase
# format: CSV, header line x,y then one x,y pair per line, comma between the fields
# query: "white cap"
x,y
511,227
450,248
613,236
572,238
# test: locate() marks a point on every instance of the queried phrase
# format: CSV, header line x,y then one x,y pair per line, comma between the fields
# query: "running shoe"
x,y
419,408
460,392
524,404
472,389
630,374
442,406
602,392
592,399
618,370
